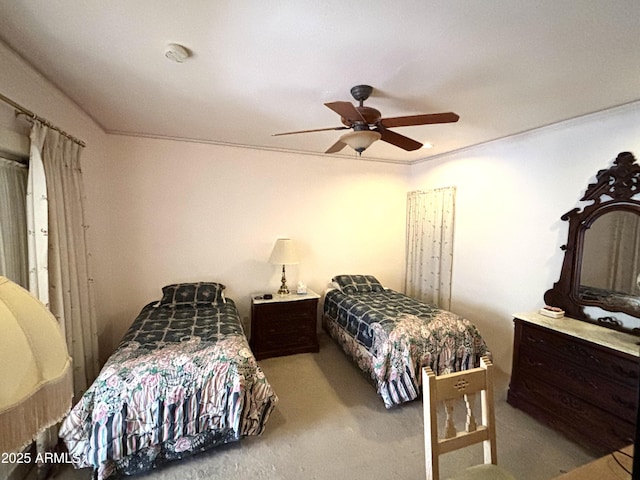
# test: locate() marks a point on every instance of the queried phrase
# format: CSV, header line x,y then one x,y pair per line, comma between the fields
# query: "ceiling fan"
x,y
368,125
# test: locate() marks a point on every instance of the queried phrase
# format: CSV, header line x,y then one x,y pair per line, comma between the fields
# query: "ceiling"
x,y
263,67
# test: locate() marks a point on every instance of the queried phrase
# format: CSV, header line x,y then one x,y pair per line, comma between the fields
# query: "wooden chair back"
x,y
462,388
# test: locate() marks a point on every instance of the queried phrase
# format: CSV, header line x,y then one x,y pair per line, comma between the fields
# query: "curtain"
x,y
37,217
13,222
37,206
70,283
429,249
58,255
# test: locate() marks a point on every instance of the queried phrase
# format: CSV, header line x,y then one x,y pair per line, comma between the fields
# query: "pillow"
x,y
358,284
200,293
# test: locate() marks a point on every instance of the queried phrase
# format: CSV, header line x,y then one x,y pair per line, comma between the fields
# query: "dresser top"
x,y
607,337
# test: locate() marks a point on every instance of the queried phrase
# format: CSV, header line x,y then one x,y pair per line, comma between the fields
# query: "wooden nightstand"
x,y
284,325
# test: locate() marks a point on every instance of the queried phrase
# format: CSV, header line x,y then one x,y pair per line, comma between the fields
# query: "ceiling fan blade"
x,y
309,131
346,110
429,118
398,140
336,147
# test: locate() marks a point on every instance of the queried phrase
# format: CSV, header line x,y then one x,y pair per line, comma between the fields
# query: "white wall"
x,y
181,211
510,195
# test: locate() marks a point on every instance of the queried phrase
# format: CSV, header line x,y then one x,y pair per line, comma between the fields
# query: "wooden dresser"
x,y
581,379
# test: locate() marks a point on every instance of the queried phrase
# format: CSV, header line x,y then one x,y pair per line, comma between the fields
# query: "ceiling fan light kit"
x,y
368,125
360,140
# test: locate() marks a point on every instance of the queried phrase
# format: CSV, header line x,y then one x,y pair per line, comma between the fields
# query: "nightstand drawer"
x,y
276,339
301,310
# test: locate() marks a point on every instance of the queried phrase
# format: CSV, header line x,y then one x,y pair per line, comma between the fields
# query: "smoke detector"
x,y
176,53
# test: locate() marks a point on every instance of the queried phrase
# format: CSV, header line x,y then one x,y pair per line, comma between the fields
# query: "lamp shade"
x,y
36,383
284,252
360,140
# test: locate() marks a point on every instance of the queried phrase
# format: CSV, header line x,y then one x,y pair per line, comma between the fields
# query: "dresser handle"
x,y
534,363
630,374
579,351
625,404
533,339
571,402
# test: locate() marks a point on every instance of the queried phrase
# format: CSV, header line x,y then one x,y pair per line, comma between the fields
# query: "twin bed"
x,y
184,379
391,336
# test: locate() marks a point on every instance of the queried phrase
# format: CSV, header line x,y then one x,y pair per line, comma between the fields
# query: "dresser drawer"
x,y
587,356
606,393
575,416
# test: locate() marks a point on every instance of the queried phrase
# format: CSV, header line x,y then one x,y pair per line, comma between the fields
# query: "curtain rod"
x,y
20,110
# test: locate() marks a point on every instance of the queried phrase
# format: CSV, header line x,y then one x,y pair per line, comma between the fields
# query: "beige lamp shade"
x,y
36,383
284,252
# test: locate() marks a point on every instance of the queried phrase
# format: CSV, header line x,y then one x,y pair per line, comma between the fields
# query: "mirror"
x,y
601,266
611,261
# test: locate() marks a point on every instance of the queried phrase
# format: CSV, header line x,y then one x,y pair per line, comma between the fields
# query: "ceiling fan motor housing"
x,y
371,116
361,92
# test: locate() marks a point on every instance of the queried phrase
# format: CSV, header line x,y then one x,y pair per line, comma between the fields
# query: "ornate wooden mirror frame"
x,y
613,191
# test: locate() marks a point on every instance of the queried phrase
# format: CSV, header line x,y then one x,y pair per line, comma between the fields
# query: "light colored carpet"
x,y
330,425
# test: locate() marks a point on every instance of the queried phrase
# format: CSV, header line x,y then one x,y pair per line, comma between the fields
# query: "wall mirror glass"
x,y
601,267
611,262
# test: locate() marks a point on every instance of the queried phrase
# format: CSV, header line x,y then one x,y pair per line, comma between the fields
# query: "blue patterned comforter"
x,y
182,380
391,337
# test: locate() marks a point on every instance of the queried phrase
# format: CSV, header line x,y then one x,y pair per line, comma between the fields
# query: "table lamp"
x,y
284,253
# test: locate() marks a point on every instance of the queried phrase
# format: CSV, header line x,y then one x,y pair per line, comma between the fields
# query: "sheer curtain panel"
x,y
13,222
37,217
429,249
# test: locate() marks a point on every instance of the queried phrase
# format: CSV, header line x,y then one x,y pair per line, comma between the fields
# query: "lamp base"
x,y
283,290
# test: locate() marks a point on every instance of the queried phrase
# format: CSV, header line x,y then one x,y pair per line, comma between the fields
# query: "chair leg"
x,y
488,415
430,416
